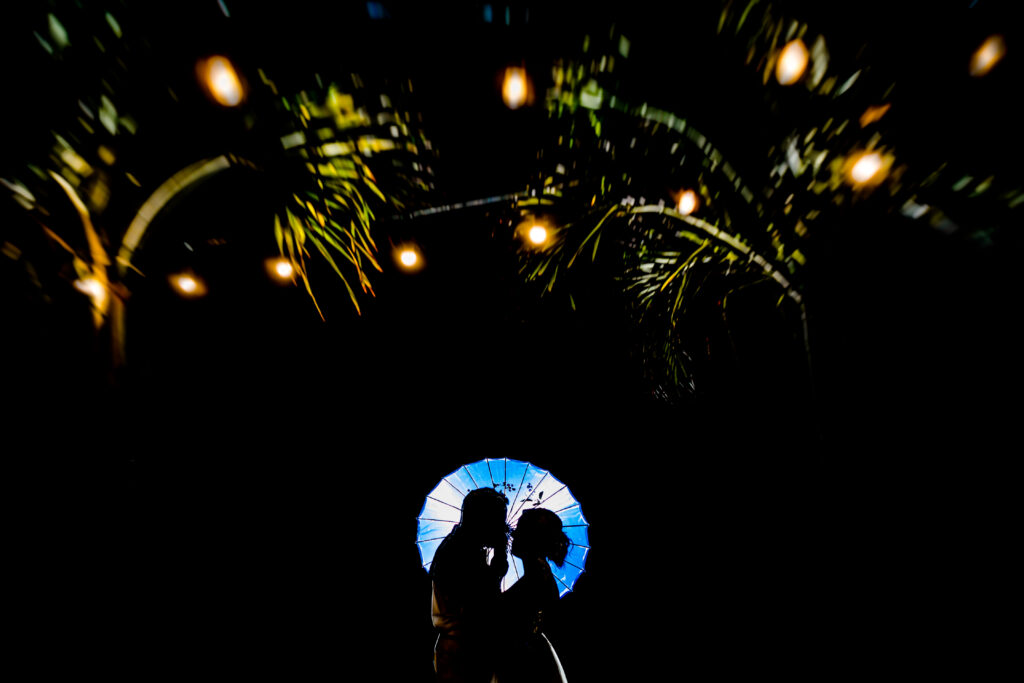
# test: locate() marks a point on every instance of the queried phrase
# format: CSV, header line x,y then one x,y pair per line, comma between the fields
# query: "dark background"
x,y
242,501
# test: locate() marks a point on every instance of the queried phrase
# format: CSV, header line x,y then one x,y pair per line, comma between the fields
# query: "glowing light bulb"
x,y
188,285
986,56
408,258
280,269
223,82
866,167
538,234
792,62
687,202
514,88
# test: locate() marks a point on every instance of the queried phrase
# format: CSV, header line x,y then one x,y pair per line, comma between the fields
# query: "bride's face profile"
x,y
518,548
525,538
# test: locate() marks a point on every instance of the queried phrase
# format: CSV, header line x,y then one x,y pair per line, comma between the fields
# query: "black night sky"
x,y
240,499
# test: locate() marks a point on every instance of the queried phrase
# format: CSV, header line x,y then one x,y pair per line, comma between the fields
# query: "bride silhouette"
x,y
526,653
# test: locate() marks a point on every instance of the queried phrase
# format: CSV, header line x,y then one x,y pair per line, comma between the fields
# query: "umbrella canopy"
x,y
526,486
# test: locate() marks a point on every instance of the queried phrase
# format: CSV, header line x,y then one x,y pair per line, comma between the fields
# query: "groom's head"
x,y
483,515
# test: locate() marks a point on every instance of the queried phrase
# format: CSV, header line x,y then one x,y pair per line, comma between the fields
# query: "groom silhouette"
x,y
466,583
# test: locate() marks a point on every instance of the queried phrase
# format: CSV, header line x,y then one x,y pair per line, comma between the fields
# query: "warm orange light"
x,y
93,288
515,88
284,269
280,268
866,167
188,285
408,257
872,114
792,62
687,202
222,81
986,56
538,234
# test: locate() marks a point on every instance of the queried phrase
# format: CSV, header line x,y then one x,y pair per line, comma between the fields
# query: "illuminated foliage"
x,y
617,173
331,137
614,170
630,184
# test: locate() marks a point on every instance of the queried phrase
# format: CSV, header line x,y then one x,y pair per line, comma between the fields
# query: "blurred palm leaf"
x,y
616,172
328,138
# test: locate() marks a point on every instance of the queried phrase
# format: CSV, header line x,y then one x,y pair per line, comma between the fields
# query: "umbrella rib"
x,y
471,477
435,538
520,488
434,519
444,503
564,487
535,487
488,461
573,565
445,480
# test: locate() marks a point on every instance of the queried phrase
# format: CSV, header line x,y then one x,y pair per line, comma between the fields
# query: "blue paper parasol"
x,y
526,486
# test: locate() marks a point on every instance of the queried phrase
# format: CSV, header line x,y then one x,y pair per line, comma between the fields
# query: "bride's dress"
x,y
528,656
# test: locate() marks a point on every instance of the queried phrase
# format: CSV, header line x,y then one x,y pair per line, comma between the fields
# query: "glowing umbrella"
x,y
526,486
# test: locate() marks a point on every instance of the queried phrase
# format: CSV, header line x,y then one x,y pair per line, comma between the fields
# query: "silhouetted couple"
x,y
486,635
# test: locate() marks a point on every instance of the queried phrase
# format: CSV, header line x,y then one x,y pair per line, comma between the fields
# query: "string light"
x,y
188,285
792,62
408,257
988,55
687,202
867,168
280,269
515,88
222,81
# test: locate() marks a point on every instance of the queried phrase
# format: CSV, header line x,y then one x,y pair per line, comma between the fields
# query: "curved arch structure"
x,y
156,202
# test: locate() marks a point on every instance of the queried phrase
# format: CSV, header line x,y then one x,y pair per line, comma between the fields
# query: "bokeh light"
x,y
222,81
281,269
538,234
872,114
988,55
792,62
408,257
188,285
515,88
687,202
867,168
